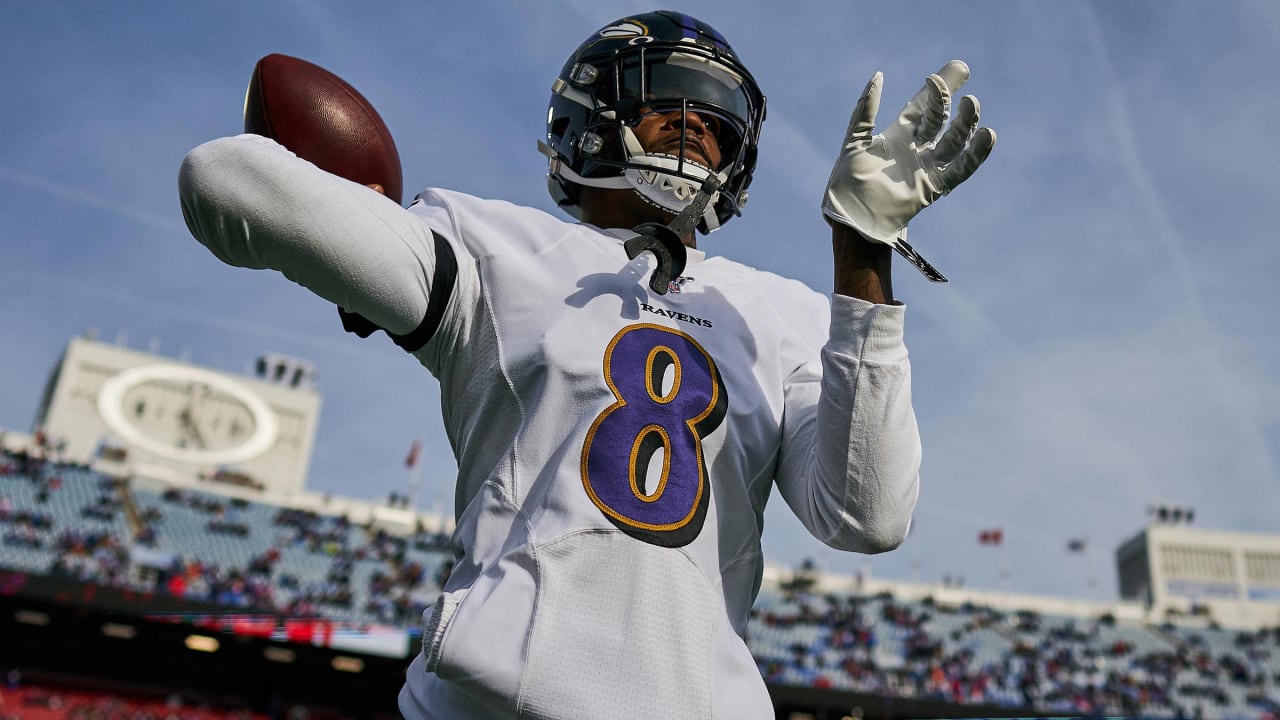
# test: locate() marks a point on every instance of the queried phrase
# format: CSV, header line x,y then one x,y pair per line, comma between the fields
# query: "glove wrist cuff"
x,y
889,238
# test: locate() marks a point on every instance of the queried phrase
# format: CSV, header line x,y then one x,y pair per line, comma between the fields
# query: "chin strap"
x,y
666,242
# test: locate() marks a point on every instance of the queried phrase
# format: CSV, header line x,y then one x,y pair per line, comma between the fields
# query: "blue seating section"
x,y
258,556
979,655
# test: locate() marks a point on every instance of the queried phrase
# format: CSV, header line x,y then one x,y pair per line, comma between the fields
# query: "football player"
x,y
617,438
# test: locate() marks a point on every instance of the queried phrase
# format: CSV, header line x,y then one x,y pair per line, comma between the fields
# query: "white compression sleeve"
x,y
256,205
851,450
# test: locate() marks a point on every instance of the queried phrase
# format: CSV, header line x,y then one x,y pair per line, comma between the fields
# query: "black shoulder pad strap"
x,y
358,324
442,281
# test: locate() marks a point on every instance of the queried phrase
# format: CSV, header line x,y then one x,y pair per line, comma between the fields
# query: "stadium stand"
x,y
74,522
41,699
1022,660
69,522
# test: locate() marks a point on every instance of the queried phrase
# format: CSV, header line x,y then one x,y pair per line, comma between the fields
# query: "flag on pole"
x,y
991,537
412,461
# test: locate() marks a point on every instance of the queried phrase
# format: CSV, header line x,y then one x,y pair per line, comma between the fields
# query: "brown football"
x,y
322,119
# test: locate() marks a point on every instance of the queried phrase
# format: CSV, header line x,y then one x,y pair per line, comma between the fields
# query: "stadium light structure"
x,y
1170,514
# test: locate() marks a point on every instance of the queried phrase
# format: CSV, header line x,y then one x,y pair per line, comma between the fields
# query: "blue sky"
x,y
1108,339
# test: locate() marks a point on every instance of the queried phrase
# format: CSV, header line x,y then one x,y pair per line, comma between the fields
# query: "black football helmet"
x,y
655,62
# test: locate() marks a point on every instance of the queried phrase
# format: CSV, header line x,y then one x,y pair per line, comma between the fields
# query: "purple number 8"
x,y
625,438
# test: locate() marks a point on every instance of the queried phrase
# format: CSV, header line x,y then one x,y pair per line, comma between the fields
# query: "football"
x,y
323,119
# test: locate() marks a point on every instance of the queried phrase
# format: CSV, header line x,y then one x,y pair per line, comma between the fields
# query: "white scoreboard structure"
x,y
1233,577
174,421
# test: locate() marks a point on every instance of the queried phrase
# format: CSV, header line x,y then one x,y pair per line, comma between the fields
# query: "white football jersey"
x,y
616,447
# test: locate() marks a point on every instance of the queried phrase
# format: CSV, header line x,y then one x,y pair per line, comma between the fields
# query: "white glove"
x,y
880,182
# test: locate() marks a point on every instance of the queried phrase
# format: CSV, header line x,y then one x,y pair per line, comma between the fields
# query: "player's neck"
x,y
612,208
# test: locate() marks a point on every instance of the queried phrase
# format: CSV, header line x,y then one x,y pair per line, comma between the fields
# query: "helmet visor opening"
x,y
672,75
671,80
728,130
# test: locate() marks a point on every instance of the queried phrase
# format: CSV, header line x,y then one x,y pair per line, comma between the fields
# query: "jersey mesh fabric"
x,y
480,409
588,577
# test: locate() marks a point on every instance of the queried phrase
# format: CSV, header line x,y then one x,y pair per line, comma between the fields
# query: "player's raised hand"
x,y
880,182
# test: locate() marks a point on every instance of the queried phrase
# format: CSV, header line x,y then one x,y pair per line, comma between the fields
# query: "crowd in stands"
x,y
25,526
90,556
306,564
399,576
68,698
978,655
267,583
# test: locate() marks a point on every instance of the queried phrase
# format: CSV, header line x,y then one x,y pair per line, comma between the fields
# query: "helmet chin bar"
x,y
667,186
659,186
